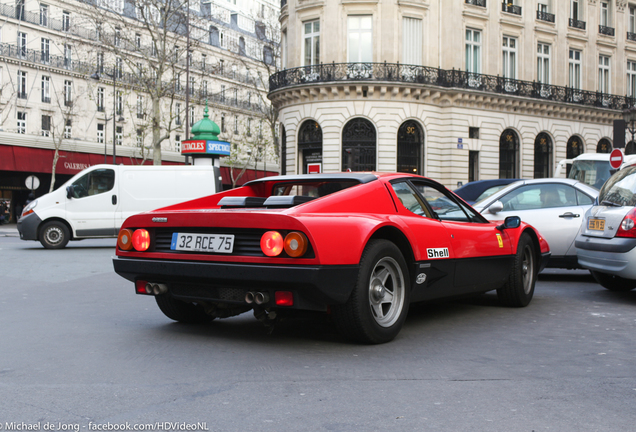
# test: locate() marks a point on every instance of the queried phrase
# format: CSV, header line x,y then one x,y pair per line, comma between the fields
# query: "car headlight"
x,y
29,208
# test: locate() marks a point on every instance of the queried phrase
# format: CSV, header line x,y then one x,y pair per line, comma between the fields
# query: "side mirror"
x,y
495,207
510,222
70,192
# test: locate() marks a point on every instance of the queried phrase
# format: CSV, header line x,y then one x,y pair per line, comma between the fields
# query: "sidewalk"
x,y
9,230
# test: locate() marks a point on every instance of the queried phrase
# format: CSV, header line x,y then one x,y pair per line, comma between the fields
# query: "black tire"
x,y
54,235
519,289
181,311
614,283
379,303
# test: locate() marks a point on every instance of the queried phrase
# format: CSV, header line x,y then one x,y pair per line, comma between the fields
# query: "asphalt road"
x,y
80,351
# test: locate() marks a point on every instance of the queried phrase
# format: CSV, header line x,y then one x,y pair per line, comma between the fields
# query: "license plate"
x,y
596,224
215,243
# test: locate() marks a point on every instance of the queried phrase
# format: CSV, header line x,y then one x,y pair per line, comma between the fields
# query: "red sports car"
x,y
359,246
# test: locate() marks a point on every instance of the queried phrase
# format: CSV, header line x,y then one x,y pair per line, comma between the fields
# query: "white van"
x,y
590,168
96,201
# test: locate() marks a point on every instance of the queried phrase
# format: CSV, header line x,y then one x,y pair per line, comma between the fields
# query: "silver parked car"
x,y
607,242
554,206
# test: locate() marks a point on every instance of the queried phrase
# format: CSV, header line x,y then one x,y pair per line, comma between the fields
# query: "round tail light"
x,y
272,243
124,240
141,240
295,244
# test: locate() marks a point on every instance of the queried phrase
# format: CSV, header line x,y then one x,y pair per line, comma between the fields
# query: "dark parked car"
x,y
480,189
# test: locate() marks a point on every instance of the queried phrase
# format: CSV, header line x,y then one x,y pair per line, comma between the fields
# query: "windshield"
x,y
620,189
593,173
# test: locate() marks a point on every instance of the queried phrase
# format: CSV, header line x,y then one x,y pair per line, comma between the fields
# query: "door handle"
x,y
114,199
569,215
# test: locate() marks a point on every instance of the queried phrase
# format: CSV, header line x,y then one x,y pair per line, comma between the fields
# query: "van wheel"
x,y
54,235
612,282
181,311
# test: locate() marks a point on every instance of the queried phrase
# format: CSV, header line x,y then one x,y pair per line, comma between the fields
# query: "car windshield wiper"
x,y
610,203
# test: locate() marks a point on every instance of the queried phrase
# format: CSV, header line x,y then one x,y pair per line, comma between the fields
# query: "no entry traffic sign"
x,y
616,158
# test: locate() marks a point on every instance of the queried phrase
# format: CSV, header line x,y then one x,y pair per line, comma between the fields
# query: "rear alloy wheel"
x,y
519,289
378,305
612,282
54,235
181,311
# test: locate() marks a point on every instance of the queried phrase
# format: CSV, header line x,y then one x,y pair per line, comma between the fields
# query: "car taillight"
x,y
141,240
124,240
295,244
284,298
627,227
272,243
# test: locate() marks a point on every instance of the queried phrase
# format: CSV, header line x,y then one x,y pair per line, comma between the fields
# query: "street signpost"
x,y
32,182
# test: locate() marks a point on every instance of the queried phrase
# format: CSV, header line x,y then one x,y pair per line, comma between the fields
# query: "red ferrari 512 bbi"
x,y
358,246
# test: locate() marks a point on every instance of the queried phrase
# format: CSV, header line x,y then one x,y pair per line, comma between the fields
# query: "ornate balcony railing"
x,y
424,75
609,31
577,24
481,3
631,36
545,16
510,8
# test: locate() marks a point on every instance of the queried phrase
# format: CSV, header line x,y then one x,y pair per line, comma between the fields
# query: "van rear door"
x,y
91,207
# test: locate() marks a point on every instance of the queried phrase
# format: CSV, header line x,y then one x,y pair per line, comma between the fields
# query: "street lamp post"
x,y
97,76
629,115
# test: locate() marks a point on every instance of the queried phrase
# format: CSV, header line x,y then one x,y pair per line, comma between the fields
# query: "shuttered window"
x,y
412,41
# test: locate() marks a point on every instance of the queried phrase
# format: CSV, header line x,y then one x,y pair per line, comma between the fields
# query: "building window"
x,y
473,132
19,10
120,103
360,38
191,119
68,129
137,40
473,51
22,44
22,84
140,106
100,62
223,123
100,133
603,74
46,89
66,21
249,127
46,125
543,156
119,67
204,89
177,117
140,138
119,134
177,143
575,10
605,18
67,55
222,94
631,25
117,37
204,60
68,93
44,15
543,63
236,124
191,89
631,79
409,148
508,154
21,122
412,41
359,145
509,58
575,69
45,55
311,45
100,99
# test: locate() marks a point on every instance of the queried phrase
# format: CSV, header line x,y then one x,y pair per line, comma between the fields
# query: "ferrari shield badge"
x,y
500,240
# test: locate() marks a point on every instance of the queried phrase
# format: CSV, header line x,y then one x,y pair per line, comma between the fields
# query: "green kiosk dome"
x,y
204,147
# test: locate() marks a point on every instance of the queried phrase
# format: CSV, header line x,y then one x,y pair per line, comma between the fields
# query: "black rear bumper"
x,y
314,287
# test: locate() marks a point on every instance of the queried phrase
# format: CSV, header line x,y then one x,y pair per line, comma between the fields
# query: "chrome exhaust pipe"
x,y
158,289
148,288
261,298
249,297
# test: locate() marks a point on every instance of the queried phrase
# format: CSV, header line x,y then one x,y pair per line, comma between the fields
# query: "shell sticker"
x,y
437,253
500,240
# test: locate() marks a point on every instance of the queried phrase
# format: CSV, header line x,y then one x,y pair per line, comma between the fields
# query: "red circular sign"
x,y
616,158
